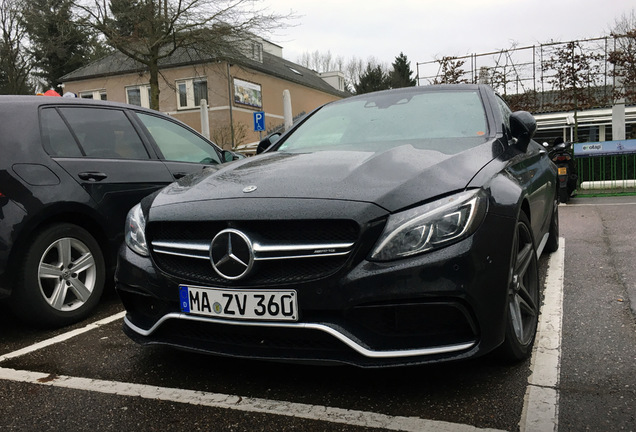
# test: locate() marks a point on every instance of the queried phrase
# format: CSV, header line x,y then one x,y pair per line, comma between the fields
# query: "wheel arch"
x,y
82,216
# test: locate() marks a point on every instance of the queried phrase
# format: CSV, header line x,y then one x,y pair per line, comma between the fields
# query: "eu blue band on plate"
x,y
183,299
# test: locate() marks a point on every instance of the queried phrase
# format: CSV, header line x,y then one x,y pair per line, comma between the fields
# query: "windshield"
x,y
445,121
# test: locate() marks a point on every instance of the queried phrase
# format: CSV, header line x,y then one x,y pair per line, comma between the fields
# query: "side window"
x,y
505,111
57,139
104,133
177,143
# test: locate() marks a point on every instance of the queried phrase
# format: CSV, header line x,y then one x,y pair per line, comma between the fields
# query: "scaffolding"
x,y
532,77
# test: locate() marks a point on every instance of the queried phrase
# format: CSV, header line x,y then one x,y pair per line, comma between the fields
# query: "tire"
x,y
51,291
564,196
553,238
523,300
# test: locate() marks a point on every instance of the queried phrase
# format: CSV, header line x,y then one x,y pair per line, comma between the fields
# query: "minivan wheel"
x,y
523,295
62,276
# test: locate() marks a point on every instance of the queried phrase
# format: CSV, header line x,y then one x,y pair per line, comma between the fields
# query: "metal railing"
x,y
606,175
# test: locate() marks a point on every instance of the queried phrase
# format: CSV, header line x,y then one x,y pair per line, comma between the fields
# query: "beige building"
x,y
233,90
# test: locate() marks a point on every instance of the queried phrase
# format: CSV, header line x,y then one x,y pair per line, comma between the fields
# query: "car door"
x,y
182,150
532,170
102,151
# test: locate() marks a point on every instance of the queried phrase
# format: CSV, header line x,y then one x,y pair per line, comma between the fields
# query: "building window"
x,y
190,92
257,51
138,95
93,94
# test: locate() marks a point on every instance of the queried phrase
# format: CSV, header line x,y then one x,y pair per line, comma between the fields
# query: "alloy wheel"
x,y
67,274
523,294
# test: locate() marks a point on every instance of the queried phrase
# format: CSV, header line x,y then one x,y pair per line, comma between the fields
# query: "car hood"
x,y
393,179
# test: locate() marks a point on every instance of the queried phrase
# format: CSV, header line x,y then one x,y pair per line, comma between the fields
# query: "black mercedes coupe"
x,y
391,228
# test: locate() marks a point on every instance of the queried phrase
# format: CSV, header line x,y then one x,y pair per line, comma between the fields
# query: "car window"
x,y
57,139
178,143
505,111
448,122
104,133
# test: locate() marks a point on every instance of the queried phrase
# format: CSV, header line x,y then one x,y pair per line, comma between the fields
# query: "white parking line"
x,y
245,404
63,337
598,204
541,403
540,411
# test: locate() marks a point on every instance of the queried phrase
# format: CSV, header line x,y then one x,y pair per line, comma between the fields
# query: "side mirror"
x,y
523,126
267,142
229,156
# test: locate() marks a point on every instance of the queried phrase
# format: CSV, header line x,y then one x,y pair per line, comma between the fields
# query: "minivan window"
x,y
104,133
178,143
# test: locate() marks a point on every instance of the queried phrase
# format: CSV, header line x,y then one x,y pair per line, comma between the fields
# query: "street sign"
x,y
259,121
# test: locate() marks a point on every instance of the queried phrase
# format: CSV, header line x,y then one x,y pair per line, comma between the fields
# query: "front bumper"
x,y
447,304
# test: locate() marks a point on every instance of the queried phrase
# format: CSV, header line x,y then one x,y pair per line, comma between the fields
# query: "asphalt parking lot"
x,y
91,376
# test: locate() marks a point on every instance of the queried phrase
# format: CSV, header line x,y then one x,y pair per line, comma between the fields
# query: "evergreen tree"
x,y
372,79
58,44
400,76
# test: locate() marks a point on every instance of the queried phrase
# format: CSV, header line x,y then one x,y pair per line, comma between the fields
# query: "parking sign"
x,y
259,121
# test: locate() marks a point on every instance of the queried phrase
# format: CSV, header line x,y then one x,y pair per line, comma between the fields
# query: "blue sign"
x,y
604,148
259,121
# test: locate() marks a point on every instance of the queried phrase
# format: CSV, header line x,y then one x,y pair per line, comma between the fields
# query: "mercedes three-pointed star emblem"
x,y
231,254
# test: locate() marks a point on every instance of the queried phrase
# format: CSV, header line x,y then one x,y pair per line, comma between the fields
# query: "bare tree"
x,y
318,61
149,31
15,65
624,24
230,136
575,74
353,69
325,62
623,57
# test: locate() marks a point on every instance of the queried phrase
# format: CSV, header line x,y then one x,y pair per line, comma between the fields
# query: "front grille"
x,y
268,273
181,249
297,231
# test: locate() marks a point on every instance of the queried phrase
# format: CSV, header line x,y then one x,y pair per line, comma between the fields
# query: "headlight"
x,y
136,231
431,226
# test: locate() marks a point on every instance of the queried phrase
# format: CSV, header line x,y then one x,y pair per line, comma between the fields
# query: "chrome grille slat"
x,y
261,252
284,252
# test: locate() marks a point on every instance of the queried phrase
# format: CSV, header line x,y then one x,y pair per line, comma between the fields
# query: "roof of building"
x,y
119,64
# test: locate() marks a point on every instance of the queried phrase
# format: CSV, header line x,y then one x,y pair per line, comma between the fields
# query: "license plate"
x,y
563,171
243,304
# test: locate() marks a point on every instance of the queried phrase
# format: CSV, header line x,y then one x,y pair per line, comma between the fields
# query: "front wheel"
x,y
61,278
523,295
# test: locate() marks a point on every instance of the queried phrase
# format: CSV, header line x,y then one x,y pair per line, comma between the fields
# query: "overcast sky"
x,y
429,29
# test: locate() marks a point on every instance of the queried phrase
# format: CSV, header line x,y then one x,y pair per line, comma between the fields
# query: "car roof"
x,y
426,88
37,101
